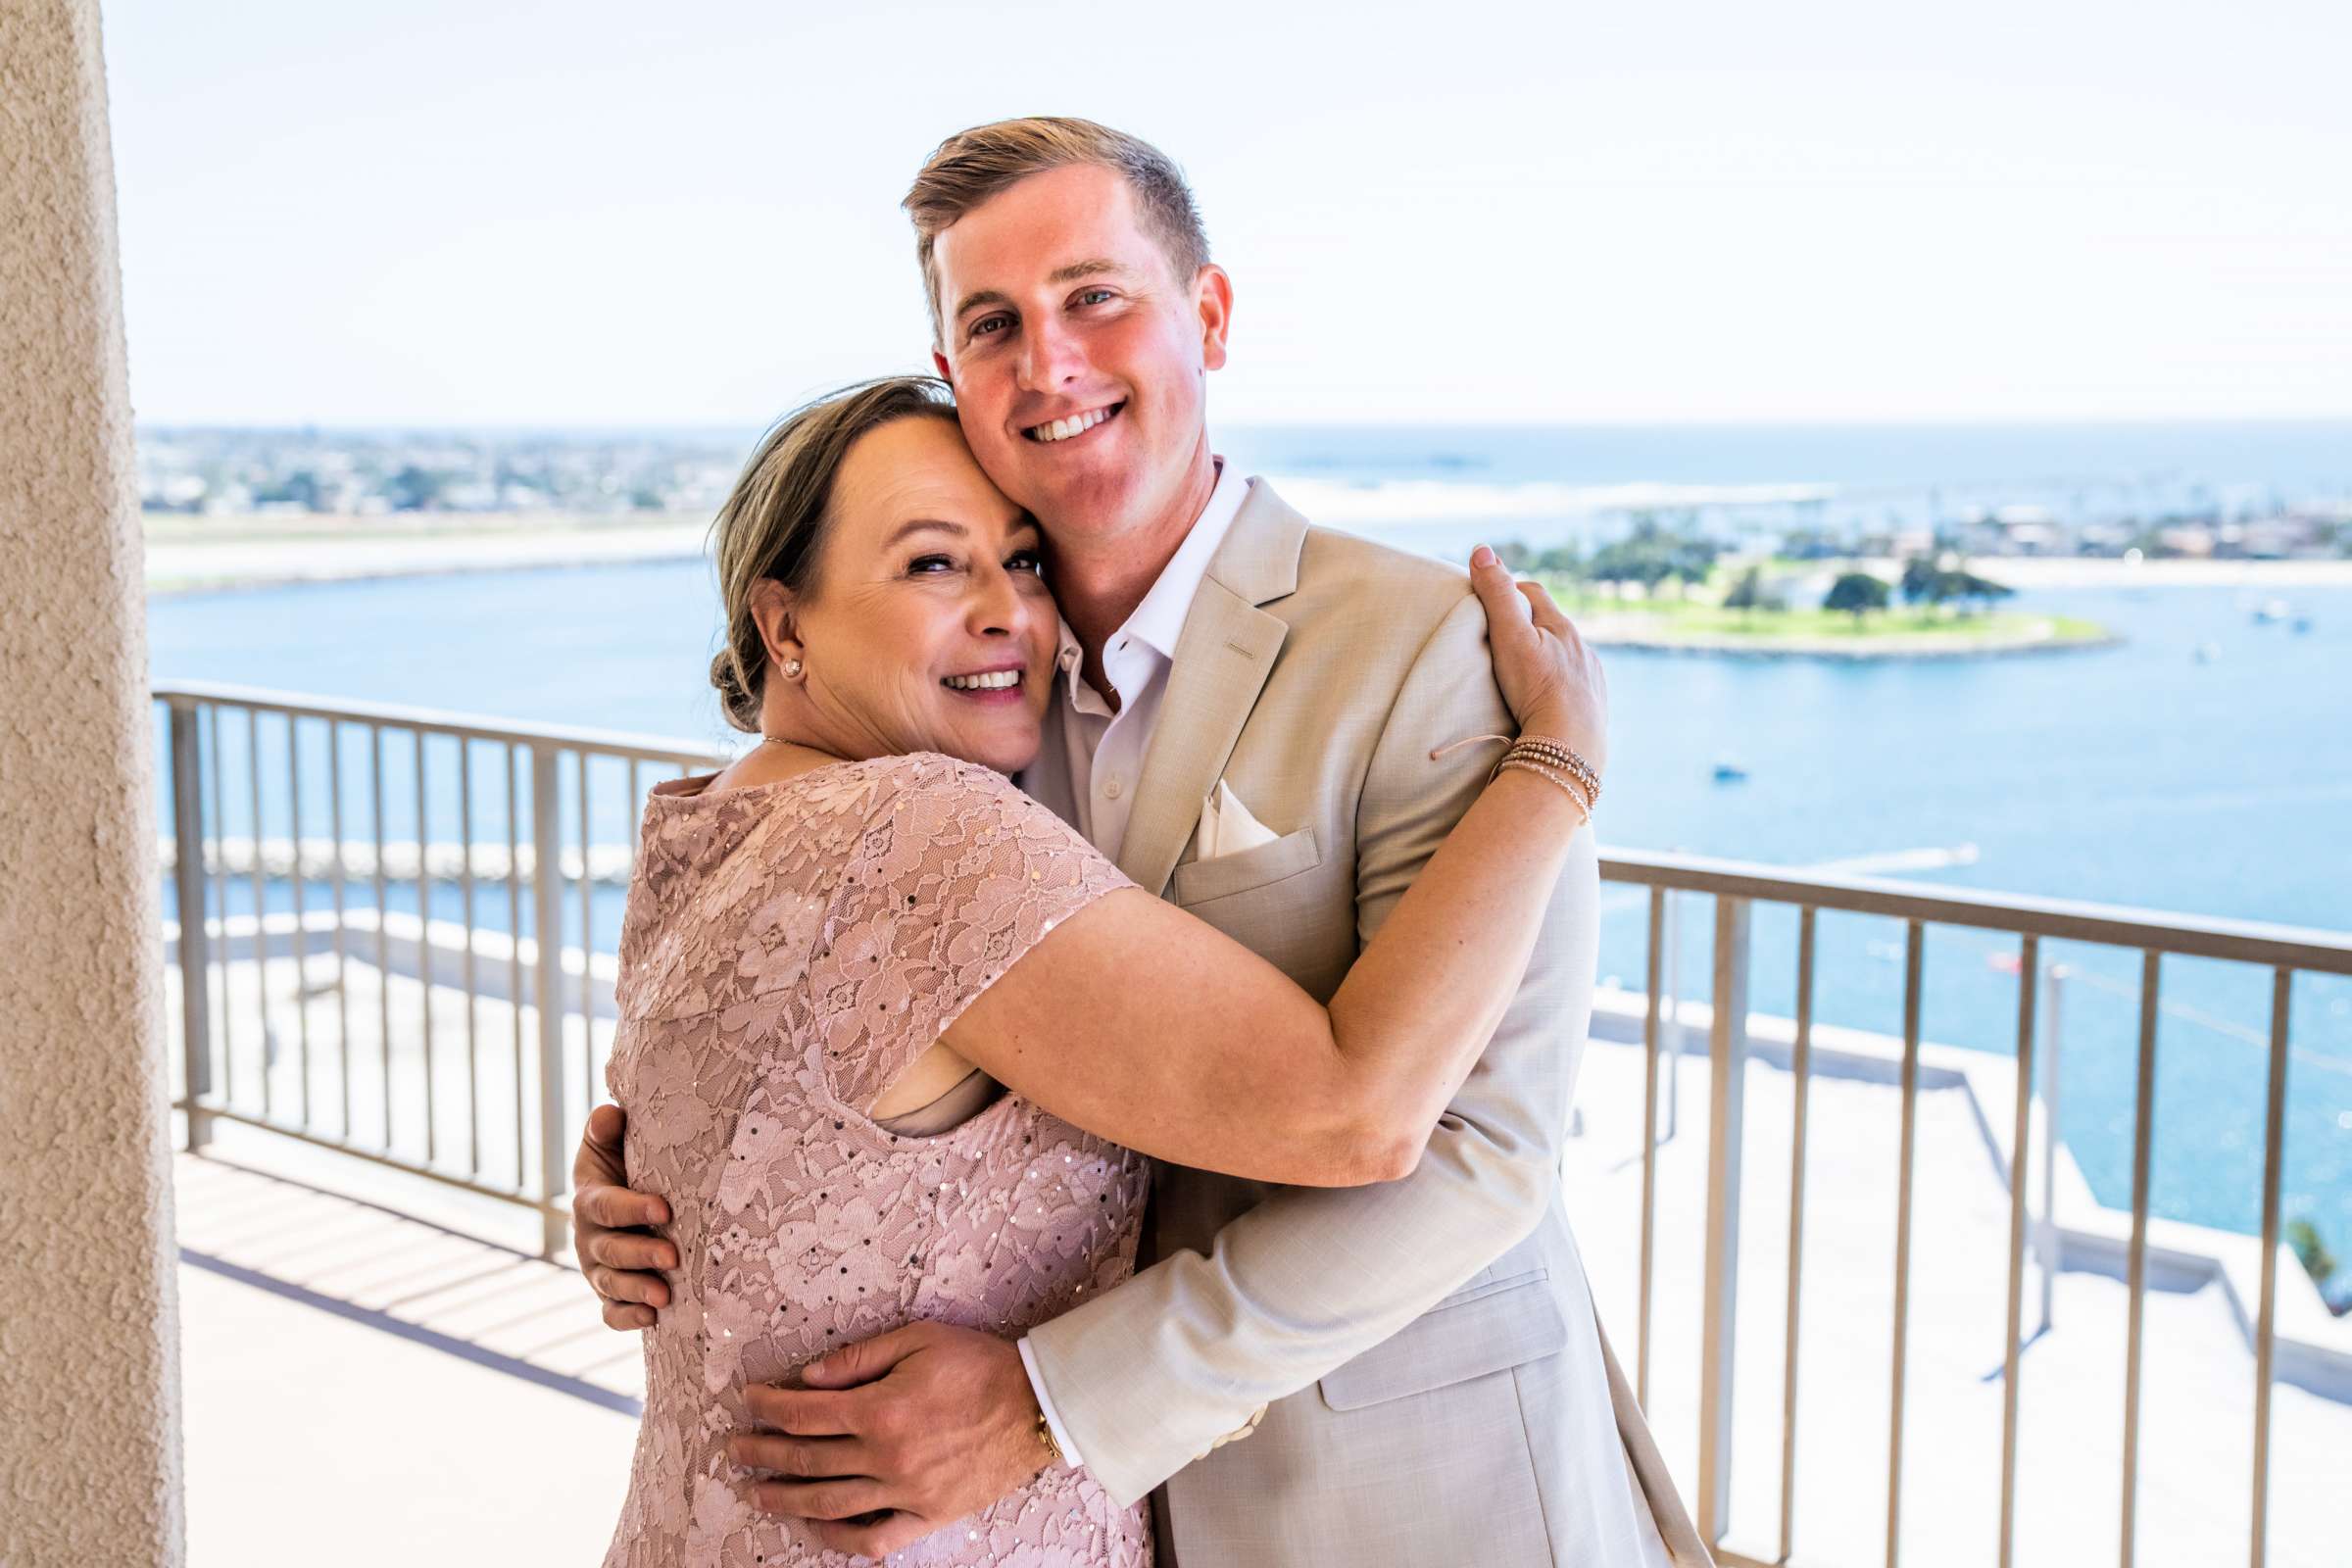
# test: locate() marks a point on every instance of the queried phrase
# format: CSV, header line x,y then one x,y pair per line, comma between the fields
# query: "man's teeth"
x,y
985,683
1063,429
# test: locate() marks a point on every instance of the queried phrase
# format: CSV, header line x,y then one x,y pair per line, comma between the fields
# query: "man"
x,y
1254,721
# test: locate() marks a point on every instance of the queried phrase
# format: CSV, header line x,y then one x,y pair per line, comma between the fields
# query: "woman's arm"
x,y
1141,1023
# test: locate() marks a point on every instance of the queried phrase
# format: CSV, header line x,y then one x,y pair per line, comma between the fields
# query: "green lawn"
x,y
1703,618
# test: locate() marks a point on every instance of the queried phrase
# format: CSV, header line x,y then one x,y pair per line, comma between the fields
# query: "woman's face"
x,y
929,627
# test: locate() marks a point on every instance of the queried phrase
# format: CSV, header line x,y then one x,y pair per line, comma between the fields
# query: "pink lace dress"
x,y
788,950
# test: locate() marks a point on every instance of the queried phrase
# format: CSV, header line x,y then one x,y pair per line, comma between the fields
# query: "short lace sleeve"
x,y
958,875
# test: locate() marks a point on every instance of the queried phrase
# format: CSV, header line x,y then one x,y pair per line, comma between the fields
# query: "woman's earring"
x,y
792,669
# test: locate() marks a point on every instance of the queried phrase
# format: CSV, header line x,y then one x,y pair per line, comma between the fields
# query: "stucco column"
x,y
89,1312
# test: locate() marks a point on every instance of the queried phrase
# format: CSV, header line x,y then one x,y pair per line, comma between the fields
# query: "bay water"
x,y
2203,764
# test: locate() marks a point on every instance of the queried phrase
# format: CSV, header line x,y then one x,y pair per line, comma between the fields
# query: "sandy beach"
x,y
197,555
2099,572
204,555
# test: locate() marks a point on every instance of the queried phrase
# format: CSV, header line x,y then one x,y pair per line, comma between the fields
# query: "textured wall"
x,y
89,1327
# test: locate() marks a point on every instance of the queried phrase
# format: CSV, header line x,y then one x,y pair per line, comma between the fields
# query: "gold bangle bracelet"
x,y
1582,775
1586,791
1567,785
1561,781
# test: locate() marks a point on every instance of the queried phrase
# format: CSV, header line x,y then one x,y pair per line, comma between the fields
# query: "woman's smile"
x,y
996,685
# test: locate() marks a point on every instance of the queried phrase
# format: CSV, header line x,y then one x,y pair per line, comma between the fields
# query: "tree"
x,y
1967,587
1692,564
1918,576
2303,1239
1626,561
415,489
1651,556
1856,593
1748,592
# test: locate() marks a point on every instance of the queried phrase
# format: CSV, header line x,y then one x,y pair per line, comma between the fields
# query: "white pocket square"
x,y
1227,828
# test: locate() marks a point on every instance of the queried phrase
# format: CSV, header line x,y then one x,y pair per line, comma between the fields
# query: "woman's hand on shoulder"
x,y
1551,680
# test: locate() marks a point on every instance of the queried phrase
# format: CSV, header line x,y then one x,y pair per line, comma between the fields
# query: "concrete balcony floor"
x,y
364,1388
366,1378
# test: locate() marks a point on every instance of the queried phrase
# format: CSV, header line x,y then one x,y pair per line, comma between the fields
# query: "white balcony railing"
x,y
408,1020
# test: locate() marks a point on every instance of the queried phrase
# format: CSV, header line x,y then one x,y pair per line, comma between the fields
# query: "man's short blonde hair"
x,y
972,165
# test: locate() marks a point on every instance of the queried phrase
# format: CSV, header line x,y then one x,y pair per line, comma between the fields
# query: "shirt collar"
x,y
1158,621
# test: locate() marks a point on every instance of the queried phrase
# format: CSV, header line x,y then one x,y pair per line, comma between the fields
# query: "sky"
x,y
469,212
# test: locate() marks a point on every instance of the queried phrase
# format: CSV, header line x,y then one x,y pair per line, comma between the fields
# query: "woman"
x,y
842,950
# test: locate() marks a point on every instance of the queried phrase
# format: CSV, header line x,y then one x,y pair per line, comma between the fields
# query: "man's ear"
x,y
773,609
939,363
1212,296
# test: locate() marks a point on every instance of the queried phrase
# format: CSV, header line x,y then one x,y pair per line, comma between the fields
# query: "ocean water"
x,y
2137,775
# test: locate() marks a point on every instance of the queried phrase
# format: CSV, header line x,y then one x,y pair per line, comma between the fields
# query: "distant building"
x,y
2185,539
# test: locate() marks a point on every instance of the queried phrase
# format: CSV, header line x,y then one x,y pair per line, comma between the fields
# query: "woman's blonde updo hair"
x,y
773,523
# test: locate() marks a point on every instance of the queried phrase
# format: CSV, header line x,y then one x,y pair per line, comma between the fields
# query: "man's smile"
x,y
1073,425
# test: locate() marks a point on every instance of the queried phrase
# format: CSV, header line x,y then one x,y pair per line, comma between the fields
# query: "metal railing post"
x,y
546,995
191,895
1727,1054
2055,1036
1674,1018
2266,1322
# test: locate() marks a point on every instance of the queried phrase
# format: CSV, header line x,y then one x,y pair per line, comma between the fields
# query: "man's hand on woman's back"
x,y
610,1238
888,1440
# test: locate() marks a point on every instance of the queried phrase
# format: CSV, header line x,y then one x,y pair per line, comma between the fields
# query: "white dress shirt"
x,y
1087,770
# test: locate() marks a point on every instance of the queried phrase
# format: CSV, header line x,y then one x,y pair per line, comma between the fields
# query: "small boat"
x,y
2270,610
2207,653
1729,773
2302,624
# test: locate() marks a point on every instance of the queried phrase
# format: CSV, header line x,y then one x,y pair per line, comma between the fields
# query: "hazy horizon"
x,y
1377,422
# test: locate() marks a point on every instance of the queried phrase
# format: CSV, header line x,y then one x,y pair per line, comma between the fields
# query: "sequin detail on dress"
x,y
788,950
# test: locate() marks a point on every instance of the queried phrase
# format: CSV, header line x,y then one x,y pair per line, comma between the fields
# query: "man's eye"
x,y
1028,560
1093,296
930,564
988,325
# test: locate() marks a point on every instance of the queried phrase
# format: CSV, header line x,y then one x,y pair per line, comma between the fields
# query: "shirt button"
x,y
1110,791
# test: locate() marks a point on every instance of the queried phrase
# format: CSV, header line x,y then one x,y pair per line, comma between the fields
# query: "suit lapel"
x,y
1223,658
1222,661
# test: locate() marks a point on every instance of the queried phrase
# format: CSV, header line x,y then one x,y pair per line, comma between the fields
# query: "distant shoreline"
x,y
220,554
1626,631
2106,571
227,554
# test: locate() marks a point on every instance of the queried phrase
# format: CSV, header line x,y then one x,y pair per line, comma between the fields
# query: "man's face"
x,y
1079,358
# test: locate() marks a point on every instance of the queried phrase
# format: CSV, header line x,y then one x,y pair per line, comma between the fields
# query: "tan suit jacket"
x,y
1413,1344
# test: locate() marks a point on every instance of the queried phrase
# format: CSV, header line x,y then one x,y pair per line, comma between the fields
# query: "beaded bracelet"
x,y
1556,761
1555,755
1569,764
1526,766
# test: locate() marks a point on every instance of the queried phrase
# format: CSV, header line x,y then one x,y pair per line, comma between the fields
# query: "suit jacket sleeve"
x,y
1149,1377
